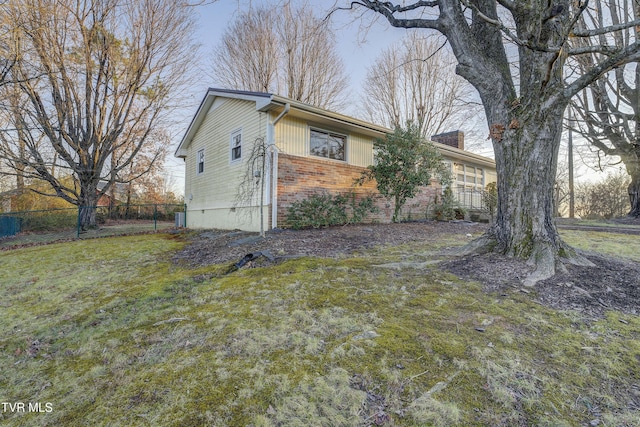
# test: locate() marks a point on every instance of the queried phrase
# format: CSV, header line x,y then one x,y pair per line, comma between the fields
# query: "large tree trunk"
x,y
526,160
87,204
634,193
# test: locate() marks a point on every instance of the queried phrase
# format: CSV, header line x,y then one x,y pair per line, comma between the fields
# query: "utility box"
x,y
180,219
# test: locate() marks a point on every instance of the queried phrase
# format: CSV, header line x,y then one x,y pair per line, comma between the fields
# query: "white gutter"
x,y
271,144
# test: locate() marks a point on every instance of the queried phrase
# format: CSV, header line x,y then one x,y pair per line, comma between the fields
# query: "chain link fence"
x,y
42,226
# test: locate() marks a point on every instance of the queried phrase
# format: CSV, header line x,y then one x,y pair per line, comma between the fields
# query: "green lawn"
x,y
617,245
108,332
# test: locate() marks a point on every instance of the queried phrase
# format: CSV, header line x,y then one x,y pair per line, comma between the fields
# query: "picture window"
x,y
327,144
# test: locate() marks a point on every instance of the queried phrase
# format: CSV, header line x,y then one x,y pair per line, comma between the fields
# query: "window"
x,y
327,144
200,158
469,177
236,145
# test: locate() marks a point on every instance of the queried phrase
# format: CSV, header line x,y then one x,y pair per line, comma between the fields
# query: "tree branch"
x,y
388,10
605,30
624,56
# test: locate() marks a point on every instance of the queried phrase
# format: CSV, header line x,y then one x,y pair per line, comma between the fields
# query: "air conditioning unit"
x,y
180,220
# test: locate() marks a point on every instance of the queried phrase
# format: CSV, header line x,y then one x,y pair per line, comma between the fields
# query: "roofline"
x,y
259,97
349,120
267,101
456,153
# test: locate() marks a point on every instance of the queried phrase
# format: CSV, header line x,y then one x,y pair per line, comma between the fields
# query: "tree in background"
x,y
404,161
9,53
98,78
606,198
513,52
248,56
607,112
414,80
287,51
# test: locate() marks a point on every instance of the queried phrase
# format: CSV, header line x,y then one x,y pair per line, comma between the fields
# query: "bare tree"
x,y
8,50
414,80
252,188
144,172
314,71
287,51
608,111
523,101
606,198
248,57
98,77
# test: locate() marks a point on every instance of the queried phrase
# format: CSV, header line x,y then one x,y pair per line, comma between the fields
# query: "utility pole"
x,y
572,206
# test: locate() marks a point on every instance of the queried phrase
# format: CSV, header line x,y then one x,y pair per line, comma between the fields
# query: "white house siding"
x,y
492,176
211,196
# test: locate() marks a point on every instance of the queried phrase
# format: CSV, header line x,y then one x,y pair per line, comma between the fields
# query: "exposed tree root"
x,y
546,259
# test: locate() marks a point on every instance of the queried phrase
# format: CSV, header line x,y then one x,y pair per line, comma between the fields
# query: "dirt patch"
x,y
218,247
613,284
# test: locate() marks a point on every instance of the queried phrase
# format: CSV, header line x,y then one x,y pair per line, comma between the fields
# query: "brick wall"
x,y
300,177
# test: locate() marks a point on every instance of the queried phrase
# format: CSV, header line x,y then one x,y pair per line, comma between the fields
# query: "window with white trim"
x,y
327,144
236,145
469,177
200,164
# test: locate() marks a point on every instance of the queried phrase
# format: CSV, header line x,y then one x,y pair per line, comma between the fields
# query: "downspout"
x,y
274,165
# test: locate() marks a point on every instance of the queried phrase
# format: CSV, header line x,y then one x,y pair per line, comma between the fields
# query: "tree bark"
x,y
525,127
87,204
634,193
526,160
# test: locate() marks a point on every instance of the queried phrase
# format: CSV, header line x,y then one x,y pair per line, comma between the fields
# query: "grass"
x,y
596,223
613,244
43,237
110,333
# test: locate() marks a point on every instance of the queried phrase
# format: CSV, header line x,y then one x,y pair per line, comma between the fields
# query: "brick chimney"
x,y
453,139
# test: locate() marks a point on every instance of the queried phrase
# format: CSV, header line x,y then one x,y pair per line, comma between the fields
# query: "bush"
x,y
608,198
404,161
323,210
447,209
59,219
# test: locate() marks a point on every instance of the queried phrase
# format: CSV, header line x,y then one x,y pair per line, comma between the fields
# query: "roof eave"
x,y
262,100
266,102
342,119
456,153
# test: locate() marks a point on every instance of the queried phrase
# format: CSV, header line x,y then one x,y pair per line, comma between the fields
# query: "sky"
x,y
357,47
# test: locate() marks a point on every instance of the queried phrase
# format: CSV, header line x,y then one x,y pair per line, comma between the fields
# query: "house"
x,y
7,200
115,195
306,150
